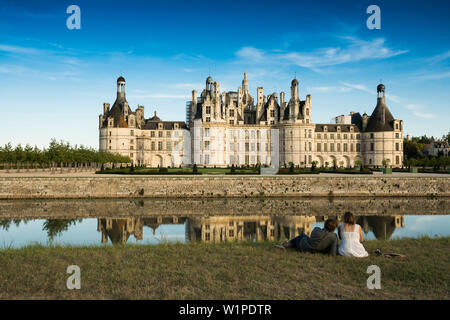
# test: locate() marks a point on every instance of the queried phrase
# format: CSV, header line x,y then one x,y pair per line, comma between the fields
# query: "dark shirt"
x,y
321,240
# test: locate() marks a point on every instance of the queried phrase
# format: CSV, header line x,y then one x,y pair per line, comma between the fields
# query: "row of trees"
x,y
428,162
57,152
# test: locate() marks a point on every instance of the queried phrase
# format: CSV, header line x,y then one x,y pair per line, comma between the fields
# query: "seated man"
x,y
321,240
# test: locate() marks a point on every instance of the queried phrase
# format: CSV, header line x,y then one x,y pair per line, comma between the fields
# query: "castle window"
x,y
345,147
371,136
206,158
272,113
258,134
131,147
318,147
331,136
309,159
152,134
309,133
371,146
397,159
231,121
307,120
207,236
232,113
396,126
132,141
310,146
351,136
206,145
168,134
246,133
325,136
160,134
253,134
257,147
208,110
168,146
208,119
358,147
331,147
307,112
160,145
109,147
272,122
338,147
396,135
351,147
358,136
246,147
110,133
206,132
252,147
338,135
319,136
109,141
325,148
345,136
397,146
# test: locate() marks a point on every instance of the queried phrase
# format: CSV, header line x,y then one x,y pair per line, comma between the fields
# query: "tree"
x,y
412,148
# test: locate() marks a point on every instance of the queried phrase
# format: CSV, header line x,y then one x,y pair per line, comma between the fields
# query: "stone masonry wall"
x,y
223,186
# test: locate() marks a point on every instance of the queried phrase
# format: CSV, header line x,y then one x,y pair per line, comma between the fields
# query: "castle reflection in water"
x,y
237,228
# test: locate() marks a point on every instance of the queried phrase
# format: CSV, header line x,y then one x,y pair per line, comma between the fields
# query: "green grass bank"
x,y
225,271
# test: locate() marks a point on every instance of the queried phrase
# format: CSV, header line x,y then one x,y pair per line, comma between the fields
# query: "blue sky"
x,y
54,80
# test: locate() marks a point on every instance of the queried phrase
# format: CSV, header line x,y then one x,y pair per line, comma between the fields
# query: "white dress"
x,y
350,245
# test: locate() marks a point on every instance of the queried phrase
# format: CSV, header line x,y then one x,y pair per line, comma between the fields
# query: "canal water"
x,y
153,221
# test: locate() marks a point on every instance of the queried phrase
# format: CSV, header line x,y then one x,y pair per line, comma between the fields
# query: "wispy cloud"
x,y
419,111
17,49
160,96
434,76
353,50
439,58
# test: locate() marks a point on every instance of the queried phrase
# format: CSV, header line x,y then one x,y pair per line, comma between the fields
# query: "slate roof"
x,y
333,127
380,113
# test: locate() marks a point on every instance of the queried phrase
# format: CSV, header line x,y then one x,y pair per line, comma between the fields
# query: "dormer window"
x,y
176,125
160,126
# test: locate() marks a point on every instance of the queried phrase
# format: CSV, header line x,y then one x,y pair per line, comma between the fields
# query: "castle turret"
x,y
121,87
245,83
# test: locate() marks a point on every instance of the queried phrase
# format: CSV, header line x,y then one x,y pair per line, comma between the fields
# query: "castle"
x,y
231,128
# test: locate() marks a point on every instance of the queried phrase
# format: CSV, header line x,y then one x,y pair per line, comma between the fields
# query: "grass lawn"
x,y
225,271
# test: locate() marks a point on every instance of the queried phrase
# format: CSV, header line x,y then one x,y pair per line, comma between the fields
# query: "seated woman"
x,y
351,237
321,240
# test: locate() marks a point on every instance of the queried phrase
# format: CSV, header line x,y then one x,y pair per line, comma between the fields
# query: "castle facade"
x,y
233,128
